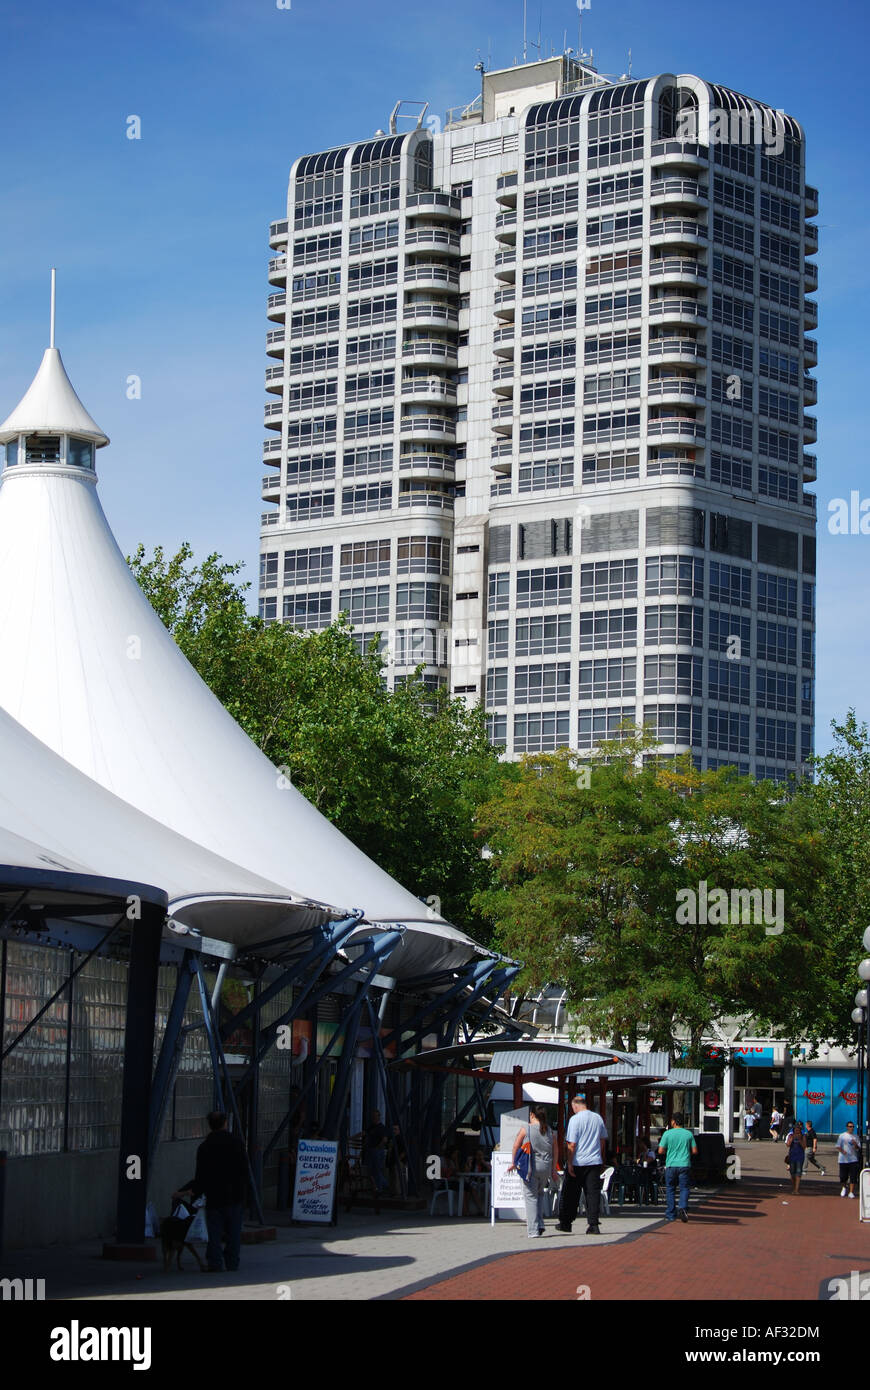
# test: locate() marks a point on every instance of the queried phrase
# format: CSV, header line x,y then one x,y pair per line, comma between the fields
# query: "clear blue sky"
x,y
161,244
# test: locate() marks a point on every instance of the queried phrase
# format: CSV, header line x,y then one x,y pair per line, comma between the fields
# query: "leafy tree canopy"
x,y
399,772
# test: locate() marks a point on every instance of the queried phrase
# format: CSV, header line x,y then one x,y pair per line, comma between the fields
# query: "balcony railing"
x,y
671,347
505,219
684,188
428,424
677,266
676,227
433,236
431,311
685,429
436,274
431,349
682,147
675,385
428,386
446,202
666,308
269,518
811,234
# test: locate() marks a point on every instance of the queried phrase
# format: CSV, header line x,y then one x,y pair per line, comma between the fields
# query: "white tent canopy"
x,y
152,776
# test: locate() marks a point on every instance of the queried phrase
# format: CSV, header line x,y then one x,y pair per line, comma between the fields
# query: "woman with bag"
x,y
534,1158
794,1157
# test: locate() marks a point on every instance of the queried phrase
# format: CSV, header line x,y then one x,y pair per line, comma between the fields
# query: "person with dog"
x,y
221,1174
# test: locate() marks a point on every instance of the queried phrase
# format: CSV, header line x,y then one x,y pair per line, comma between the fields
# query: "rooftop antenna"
x,y
629,62
51,321
525,42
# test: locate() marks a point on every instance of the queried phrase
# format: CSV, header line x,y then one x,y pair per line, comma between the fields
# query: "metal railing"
x,y
429,236
686,188
659,308
678,265
431,311
447,351
685,429
674,385
676,226
448,201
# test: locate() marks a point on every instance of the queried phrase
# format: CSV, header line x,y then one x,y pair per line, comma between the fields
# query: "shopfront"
x,y
826,1095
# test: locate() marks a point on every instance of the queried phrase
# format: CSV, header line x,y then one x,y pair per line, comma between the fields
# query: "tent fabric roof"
x,y
51,406
133,765
91,671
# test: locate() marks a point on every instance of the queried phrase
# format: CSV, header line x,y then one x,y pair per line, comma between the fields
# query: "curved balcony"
x,y
503,340
503,380
276,307
811,314
676,349
812,200
504,304
430,350
433,204
278,270
275,343
423,496
675,430
810,429
279,231
676,190
427,465
275,380
270,487
811,352
673,153
676,270
811,390
811,276
676,390
272,415
435,315
685,231
503,418
428,388
678,310
431,277
809,468
271,447
811,238
506,227
425,427
506,190
505,265
436,238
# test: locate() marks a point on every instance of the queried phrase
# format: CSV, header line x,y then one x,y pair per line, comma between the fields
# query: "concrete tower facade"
x,y
537,384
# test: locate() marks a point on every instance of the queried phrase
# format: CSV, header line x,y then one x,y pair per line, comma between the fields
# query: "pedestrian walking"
x,y
796,1145
375,1151
542,1167
776,1119
849,1150
678,1148
221,1172
749,1122
585,1137
813,1147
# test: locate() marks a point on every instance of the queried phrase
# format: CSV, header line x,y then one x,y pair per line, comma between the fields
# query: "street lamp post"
x,y
858,1020
862,1002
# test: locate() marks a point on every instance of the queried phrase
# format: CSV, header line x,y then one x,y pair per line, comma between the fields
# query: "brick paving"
x,y
751,1239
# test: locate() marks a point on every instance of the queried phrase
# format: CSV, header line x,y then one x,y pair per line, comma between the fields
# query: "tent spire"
x,y
53,282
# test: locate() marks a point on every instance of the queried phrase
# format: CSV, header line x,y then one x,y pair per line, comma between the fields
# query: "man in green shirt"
x,y
678,1148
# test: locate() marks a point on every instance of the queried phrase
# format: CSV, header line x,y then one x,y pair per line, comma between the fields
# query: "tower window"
x,y
43,448
11,453
80,453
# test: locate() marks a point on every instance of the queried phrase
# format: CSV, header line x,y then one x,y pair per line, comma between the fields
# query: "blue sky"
x,y
161,243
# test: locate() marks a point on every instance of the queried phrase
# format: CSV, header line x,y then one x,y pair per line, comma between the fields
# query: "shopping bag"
x,y
198,1229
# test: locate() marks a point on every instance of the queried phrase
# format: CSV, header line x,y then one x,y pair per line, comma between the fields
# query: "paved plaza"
x,y
749,1239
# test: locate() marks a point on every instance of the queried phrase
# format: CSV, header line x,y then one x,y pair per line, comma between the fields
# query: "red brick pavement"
x,y
750,1240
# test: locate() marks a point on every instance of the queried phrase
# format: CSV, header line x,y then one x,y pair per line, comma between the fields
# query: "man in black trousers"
x,y
221,1173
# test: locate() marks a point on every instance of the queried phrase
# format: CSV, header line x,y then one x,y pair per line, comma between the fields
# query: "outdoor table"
x,y
463,1178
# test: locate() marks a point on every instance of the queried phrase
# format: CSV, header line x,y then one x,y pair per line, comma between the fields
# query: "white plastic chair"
x,y
606,1179
442,1188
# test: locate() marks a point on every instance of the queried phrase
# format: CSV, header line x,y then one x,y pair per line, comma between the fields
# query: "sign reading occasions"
x,y
314,1188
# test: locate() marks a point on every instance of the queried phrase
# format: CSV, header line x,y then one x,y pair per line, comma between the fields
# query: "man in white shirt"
x,y
849,1151
586,1137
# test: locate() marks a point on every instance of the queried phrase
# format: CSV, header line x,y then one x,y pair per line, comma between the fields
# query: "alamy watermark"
x,y
743,906
754,127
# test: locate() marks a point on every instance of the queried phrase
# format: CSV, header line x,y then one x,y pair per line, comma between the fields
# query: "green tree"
x,y
586,881
399,772
837,804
